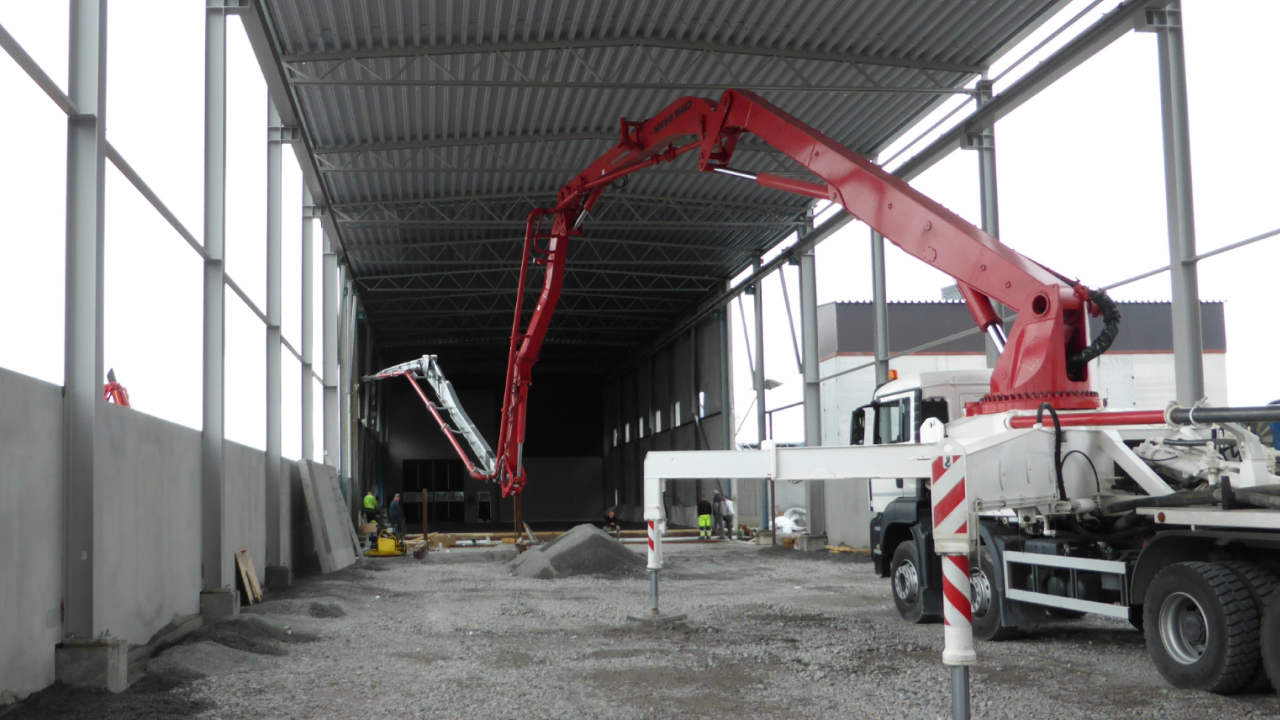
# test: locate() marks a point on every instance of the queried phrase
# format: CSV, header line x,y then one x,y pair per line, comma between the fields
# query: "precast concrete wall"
x,y
31,533
147,525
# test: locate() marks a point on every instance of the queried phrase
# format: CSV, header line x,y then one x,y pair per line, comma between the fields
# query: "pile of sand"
x,y
584,550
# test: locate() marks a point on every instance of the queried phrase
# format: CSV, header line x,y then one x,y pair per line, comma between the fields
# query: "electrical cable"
x,y
1057,444
1096,480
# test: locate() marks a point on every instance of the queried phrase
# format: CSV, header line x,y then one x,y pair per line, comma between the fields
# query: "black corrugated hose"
x,y
1111,329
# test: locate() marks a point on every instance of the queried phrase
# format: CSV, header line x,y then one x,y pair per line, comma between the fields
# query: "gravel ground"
x,y
770,634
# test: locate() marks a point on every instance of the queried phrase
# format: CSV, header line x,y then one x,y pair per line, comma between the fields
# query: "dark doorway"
x,y
438,487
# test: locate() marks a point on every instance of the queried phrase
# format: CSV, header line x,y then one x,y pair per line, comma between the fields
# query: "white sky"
x,y
1081,184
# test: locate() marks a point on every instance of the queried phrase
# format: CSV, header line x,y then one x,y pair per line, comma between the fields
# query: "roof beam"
x,y
510,47
467,142
597,224
674,85
544,198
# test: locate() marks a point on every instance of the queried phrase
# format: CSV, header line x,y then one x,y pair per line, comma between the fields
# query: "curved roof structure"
x,y
434,127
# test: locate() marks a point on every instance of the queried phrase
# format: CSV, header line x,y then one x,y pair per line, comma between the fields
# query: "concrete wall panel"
x,y
31,537
246,518
148,522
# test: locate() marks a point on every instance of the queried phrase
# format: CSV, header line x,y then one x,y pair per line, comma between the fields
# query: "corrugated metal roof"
x,y
437,126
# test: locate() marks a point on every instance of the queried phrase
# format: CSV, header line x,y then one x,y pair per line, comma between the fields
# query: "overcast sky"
x,y
1081,183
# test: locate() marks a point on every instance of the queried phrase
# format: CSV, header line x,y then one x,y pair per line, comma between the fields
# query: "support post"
x,y
815,490
217,572
329,347
985,143
83,363
1188,341
277,502
766,522
309,214
881,307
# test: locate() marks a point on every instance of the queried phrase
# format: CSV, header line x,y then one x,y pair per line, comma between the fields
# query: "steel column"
x,y
985,143
308,326
881,303
217,572
761,417
277,499
815,490
83,369
1188,345
329,348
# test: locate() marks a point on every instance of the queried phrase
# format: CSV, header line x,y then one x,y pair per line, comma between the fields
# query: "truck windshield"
x,y
893,422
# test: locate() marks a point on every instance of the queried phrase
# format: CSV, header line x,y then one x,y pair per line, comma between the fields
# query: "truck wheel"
x,y
1202,629
1271,642
1261,584
905,574
987,596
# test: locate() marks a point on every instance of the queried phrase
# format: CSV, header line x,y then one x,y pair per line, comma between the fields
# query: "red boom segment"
x,y
1052,321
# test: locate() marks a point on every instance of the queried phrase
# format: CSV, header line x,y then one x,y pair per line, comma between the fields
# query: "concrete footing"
x,y
811,543
279,577
102,663
218,604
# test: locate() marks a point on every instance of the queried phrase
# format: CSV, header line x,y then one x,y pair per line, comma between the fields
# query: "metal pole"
x,y
653,592
985,143
1188,344
83,331
276,500
959,692
217,564
881,303
329,348
815,490
761,417
309,213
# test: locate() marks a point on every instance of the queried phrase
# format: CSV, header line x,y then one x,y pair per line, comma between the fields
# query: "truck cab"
x,y
898,409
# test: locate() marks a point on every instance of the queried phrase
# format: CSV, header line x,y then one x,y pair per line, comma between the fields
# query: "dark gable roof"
x,y
848,327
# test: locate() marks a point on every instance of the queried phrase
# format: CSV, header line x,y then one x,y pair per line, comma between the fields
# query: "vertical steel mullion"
x,y
1188,341
216,563
308,326
329,350
989,197
815,490
881,306
83,357
276,500
761,418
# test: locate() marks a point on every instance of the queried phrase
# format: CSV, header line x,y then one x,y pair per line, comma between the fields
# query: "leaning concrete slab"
x,y
335,536
101,663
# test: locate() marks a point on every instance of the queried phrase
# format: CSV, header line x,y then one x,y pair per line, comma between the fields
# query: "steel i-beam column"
x,y
309,213
761,418
277,500
815,490
985,143
329,345
881,307
1188,342
216,568
83,364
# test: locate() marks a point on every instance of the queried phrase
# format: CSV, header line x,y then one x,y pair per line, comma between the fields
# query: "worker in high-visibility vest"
x,y
370,507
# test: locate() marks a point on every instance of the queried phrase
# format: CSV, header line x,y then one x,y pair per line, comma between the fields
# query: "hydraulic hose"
x,y
1057,445
1110,330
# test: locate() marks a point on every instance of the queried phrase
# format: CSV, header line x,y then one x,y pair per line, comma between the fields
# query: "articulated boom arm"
x,y
1043,359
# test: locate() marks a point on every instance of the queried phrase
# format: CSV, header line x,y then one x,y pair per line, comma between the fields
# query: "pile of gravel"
x,y
250,633
205,659
584,550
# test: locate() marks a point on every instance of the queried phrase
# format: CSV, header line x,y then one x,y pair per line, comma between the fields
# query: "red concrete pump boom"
x,y
1044,359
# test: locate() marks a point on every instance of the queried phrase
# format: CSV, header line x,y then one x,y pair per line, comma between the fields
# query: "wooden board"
x,y
248,575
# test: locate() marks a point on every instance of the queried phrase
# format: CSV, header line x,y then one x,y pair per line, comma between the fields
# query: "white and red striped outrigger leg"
x,y
953,540
655,518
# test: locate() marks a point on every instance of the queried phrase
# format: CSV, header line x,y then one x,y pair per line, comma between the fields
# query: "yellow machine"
x,y
388,546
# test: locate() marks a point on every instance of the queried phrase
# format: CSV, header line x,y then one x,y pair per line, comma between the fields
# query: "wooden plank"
x,y
245,565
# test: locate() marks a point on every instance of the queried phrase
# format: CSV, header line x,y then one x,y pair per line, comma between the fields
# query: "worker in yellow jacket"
x,y
370,507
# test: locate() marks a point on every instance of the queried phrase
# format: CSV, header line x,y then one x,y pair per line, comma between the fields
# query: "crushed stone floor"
x,y
770,634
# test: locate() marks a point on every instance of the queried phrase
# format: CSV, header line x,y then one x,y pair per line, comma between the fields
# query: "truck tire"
x,y
1202,629
1271,642
1261,584
988,597
905,575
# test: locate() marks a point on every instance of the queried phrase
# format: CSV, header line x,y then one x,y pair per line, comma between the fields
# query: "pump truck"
x,y
1165,517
